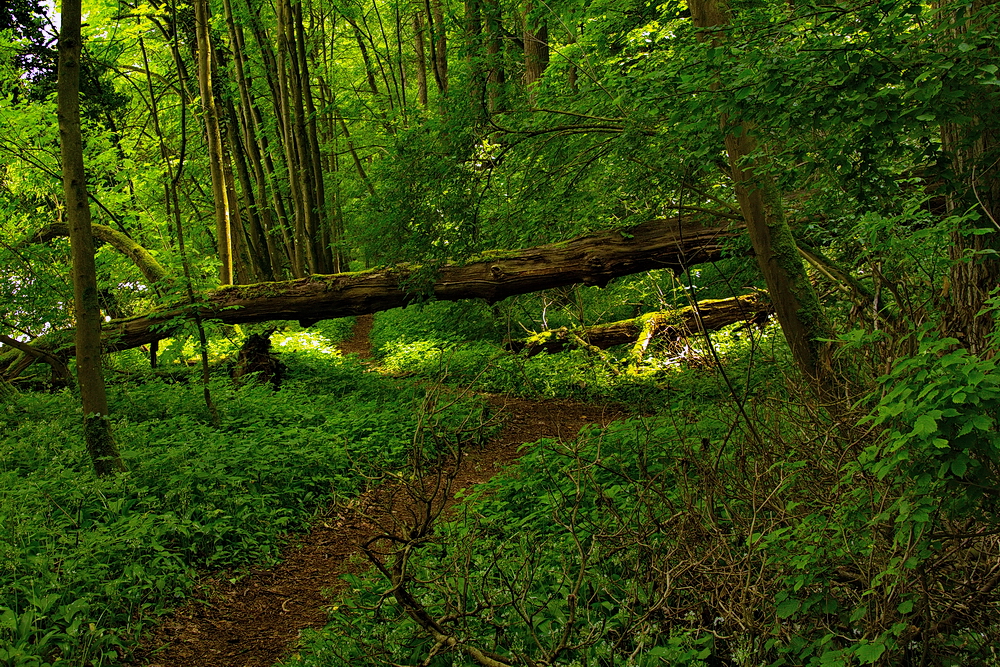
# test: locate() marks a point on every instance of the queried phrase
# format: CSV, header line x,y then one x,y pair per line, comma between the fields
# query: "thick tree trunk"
x,y
594,259
96,427
710,315
795,302
973,149
536,49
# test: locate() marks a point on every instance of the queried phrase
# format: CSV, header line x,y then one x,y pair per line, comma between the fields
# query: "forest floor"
x,y
255,620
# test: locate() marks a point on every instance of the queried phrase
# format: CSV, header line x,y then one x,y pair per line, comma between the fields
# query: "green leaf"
x,y
869,653
959,466
905,607
925,425
788,607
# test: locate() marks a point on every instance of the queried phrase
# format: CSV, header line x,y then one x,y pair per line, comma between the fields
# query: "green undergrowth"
x,y
521,571
410,343
85,562
726,532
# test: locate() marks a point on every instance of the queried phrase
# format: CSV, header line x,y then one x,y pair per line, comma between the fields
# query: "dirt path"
x,y
254,621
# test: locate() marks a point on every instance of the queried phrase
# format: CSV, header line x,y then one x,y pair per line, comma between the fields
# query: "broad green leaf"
x,y
869,653
788,607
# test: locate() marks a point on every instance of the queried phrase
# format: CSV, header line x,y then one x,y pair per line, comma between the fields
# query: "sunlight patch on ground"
x,y
302,341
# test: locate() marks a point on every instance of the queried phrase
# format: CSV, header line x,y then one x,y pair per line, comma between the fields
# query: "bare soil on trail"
x,y
256,620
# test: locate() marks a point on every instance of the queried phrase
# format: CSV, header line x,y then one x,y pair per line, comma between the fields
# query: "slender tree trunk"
x,y
319,236
248,158
174,212
496,77
418,48
286,82
223,224
796,304
387,69
439,43
335,206
96,426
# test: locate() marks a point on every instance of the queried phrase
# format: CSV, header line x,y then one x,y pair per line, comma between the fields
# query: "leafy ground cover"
x,y
461,344
87,562
744,523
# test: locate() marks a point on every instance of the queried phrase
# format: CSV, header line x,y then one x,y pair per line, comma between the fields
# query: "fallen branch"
x,y
60,372
710,315
143,259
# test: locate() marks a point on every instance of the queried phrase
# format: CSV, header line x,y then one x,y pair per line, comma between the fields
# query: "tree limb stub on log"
x,y
710,315
593,259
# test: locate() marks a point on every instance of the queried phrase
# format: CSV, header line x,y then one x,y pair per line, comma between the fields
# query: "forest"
x,y
499,332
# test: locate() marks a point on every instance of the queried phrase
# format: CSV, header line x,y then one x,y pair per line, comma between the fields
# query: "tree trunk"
x,y
439,44
473,59
710,315
496,77
536,50
973,149
151,269
223,225
594,259
795,302
418,49
96,427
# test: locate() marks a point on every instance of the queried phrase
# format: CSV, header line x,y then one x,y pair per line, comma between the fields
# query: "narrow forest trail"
x,y
256,620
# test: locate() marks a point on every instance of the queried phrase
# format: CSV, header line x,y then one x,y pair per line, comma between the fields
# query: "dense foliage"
x,y
88,562
829,501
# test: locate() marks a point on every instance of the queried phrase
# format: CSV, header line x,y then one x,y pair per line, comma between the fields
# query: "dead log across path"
x,y
593,259
710,315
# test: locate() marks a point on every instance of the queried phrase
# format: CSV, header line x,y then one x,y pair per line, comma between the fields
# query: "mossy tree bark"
x,y
152,270
96,427
593,259
710,315
795,301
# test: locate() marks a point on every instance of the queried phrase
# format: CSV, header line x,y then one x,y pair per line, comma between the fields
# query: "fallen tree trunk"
x,y
710,315
593,259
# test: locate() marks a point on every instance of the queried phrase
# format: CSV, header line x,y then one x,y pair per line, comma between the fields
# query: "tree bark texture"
x,y
223,226
795,301
973,149
151,269
496,76
96,427
710,315
421,58
593,259
536,49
